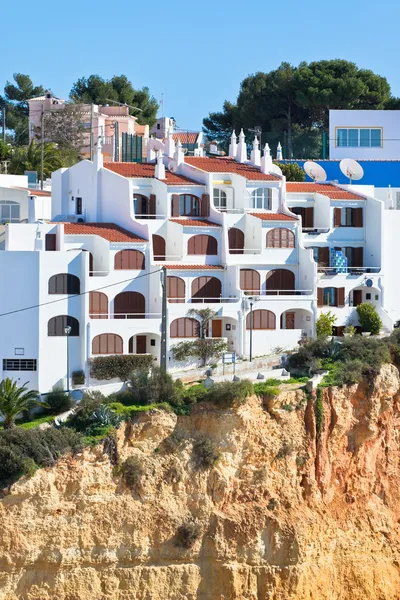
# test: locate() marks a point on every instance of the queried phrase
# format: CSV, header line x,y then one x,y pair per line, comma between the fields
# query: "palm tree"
x,y
14,400
28,158
204,315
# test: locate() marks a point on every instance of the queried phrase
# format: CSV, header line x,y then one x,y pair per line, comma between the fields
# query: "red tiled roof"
x,y
186,137
335,193
108,231
229,165
146,170
31,191
273,217
194,223
192,267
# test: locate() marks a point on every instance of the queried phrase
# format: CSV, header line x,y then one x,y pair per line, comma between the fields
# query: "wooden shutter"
x,y
175,290
357,297
250,281
236,241
211,246
152,205
184,328
175,205
98,305
358,257
323,256
262,319
205,205
357,217
340,302
51,241
158,247
129,260
308,217
320,297
280,279
107,343
208,288
337,217
129,305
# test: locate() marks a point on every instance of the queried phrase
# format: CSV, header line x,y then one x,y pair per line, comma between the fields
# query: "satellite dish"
x,y
172,166
315,171
276,170
351,169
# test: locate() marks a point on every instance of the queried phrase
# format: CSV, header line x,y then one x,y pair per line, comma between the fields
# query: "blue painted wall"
x,y
380,173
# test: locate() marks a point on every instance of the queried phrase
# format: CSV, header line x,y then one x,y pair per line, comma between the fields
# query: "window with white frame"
x,y
19,364
261,198
219,199
363,137
9,211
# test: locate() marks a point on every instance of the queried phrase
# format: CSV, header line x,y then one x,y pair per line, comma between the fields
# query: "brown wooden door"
x,y
158,247
98,305
51,241
203,245
280,279
141,344
250,281
236,241
357,297
290,318
129,305
129,259
216,328
207,288
175,290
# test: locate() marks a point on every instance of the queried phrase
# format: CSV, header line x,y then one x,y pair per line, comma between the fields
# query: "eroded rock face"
x,y
284,515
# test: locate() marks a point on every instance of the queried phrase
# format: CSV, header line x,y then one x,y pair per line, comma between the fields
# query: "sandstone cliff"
x,y
284,515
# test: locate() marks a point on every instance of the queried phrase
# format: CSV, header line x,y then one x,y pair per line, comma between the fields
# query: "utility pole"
x,y
41,148
163,354
91,130
4,122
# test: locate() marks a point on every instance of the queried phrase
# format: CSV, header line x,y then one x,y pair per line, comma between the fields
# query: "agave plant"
x,y
105,416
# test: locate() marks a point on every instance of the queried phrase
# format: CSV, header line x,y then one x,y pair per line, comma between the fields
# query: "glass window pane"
x,y
376,138
353,138
341,137
15,211
365,140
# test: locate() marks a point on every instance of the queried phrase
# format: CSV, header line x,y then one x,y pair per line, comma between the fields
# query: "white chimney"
x,y
233,145
266,163
159,171
279,152
241,154
179,157
255,153
169,144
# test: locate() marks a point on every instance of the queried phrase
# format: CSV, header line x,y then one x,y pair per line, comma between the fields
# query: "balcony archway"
x,y
129,305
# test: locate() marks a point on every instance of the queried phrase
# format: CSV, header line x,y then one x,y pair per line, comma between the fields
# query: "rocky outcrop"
x,y
285,514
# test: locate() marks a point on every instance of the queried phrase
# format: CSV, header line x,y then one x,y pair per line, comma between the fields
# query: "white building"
x,y
233,236
364,134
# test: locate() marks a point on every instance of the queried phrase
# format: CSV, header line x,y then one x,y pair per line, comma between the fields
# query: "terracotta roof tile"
x,y
228,165
108,231
186,137
146,170
273,217
192,267
334,192
31,191
194,223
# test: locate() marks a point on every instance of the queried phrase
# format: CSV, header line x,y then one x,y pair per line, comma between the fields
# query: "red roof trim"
x,y
194,223
327,189
273,217
146,171
229,165
108,231
192,267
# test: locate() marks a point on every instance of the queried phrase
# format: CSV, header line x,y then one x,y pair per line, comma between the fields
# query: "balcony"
x,y
351,271
262,294
205,300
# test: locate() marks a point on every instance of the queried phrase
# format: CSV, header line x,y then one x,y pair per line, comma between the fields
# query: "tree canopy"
x,y
99,91
296,101
15,100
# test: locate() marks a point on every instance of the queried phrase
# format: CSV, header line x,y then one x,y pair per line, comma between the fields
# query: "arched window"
x,y
262,319
129,305
56,326
219,199
250,281
141,205
189,206
280,281
175,290
107,343
158,247
64,283
261,198
9,211
281,237
98,305
236,241
129,259
185,328
203,244
206,289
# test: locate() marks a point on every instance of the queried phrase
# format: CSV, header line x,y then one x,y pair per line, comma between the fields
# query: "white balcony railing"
x,y
215,300
267,293
125,316
356,271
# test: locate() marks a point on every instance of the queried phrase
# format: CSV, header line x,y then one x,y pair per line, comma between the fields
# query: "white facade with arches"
x,y
233,236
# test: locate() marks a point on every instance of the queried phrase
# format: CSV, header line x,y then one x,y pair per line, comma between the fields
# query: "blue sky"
x,y
195,53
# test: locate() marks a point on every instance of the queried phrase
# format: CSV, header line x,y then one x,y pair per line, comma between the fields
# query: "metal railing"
x,y
263,293
125,315
149,216
217,300
347,270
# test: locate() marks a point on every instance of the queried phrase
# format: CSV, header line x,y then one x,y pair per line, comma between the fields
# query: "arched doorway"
x,y
175,290
250,281
98,305
129,305
206,289
280,282
158,247
236,241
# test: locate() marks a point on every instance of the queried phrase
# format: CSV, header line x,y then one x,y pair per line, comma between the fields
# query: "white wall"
x,y
389,120
13,180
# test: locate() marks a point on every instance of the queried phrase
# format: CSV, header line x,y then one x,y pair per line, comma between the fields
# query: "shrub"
x,y
266,391
325,323
307,360
132,472
292,171
188,534
285,450
272,504
58,402
121,366
205,454
229,393
81,418
369,318
206,349
110,447
155,387
78,377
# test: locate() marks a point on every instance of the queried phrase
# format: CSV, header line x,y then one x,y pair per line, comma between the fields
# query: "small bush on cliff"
x,y
188,534
81,418
205,454
319,412
58,402
369,318
132,472
155,387
229,393
119,366
307,360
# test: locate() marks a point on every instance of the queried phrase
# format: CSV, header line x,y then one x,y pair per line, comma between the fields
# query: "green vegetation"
x,y
230,393
78,377
15,400
58,402
369,318
325,323
28,158
205,454
35,422
206,349
292,171
118,366
319,412
132,472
